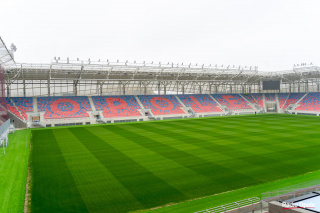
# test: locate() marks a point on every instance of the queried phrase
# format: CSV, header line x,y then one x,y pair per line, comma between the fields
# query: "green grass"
x,y
13,172
136,166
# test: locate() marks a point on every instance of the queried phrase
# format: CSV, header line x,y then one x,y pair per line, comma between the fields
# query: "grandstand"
x,y
143,158
117,106
200,103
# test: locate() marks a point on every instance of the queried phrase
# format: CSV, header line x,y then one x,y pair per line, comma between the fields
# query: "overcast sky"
x,y
270,34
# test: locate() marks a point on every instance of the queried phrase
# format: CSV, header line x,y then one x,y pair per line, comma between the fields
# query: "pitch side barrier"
x,y
4,132
246,205
261,205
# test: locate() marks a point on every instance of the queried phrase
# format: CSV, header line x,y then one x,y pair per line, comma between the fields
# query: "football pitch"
x,y
144,165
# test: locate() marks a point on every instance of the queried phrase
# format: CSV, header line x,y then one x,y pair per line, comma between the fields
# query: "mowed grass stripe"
x,y
53,187
239,158
189,144
289,157
218,174
280,148
99,189
173,173
147,188
13,172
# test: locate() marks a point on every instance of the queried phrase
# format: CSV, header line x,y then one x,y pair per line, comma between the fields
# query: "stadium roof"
x,y
126,72
132,71
6,56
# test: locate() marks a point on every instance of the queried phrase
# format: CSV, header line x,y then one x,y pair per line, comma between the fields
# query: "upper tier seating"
x,y
200,103
64,107
13,109
310,102
270,97
293,98
282,97
117,106
161,104
24,104
232,101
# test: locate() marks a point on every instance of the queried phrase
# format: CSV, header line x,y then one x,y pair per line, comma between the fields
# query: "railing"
x,y
4,128
4,131
231,206
288,189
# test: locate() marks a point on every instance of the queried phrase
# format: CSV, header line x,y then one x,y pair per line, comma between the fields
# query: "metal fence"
x,y
4,131
255,204
246,204
267,195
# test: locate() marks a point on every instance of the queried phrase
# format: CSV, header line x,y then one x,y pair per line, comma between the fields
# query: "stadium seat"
x,y
282,97
200,103
161,104
255,98
64,107
270,97
117,106
232,101
13,109
24,104
293,98
310,102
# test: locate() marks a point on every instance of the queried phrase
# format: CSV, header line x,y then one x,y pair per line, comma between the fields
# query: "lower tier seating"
x,y
10,106
310,102
64,107
200,103
255,98
282,97
270,97
293,98
117,106
258,98
24,105
161,104
232,101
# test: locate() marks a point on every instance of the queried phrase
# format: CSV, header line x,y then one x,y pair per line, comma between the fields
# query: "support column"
x,y
307,86
124,89
48,87
75,90
159,88
24,88
177,83
8,91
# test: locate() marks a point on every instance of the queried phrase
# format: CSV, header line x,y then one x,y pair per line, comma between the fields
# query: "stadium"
x,y
95,119
102,136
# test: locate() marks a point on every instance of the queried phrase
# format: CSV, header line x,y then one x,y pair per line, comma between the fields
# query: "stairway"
x,y
223,108
296,104
285,101
92,104
182,104
254,106
35,105
185,108
17,110
139,102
